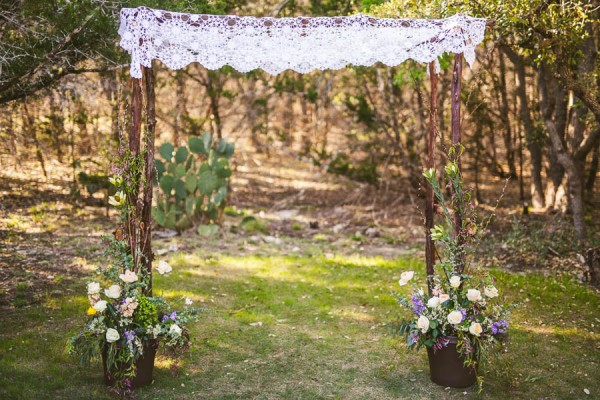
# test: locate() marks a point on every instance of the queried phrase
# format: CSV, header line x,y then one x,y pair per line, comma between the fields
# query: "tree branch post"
x,y
456,136
429,245
146,218
135,128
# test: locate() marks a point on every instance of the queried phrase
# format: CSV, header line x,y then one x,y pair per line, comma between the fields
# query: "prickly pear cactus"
x,y
192,182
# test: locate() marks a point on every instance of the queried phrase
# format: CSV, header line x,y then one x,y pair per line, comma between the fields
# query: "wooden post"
x,y
135,126
456,88
429,246
146,218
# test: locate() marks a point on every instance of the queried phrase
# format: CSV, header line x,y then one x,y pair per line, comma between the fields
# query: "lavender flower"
x,y
418,305
499,327
173,315
464,314
129,335
165,318
440,343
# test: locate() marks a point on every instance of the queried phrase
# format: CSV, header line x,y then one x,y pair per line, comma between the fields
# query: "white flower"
x,y
490,291
128,276
156,330
113,292
188,301
100,306
423,323
117,200
93,288
444,297
163,267
455,281
405,277
433,302
175,330
455,317
473,295
475,328
112,335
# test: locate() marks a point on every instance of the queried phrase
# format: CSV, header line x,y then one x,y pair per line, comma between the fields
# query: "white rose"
x,y
405,277
128,276
490,291
175,330
444,297
423,323
455,281
112,335
475,328
455,317
473,295
433,302
93,288
163,267
113,292
100,306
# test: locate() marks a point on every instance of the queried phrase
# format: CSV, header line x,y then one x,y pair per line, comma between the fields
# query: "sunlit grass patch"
x,y
286,326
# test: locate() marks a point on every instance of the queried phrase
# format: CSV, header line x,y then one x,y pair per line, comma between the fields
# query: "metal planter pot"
x,y
144,367
447,367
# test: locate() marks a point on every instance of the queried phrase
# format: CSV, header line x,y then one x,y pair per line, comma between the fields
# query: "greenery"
x,y
194,182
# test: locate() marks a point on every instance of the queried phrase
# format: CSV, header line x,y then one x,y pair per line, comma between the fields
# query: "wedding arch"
x,y
274,45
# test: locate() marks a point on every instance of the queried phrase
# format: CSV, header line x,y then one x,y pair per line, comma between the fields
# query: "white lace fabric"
x,y
301,44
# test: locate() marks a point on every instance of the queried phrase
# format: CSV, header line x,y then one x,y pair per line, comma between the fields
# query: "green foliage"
x,y
147,313
193,182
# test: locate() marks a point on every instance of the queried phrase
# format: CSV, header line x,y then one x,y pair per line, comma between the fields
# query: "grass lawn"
x,y
321,335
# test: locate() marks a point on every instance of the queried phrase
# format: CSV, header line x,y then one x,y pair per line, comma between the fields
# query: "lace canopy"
x,y
301,44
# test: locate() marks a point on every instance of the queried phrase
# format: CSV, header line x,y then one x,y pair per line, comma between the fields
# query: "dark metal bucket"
x,y
143,367
447,367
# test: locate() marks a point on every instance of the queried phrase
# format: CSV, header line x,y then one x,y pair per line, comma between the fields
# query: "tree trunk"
x,y
180,107
572,166
533,142
504,113
29,127
591,179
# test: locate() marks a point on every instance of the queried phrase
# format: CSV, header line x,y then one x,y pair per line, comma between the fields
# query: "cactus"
x,y
193,182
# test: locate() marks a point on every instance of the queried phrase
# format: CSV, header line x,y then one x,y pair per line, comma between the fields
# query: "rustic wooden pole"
x,y
134,148
456,136
429,246
146,217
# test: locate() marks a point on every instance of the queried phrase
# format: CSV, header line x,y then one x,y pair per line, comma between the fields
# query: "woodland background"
x,y
531,112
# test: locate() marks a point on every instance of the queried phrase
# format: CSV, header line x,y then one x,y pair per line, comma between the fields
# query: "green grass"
x,y
322,336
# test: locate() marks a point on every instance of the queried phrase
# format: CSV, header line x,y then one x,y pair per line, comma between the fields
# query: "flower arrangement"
x,y
462,301
125,321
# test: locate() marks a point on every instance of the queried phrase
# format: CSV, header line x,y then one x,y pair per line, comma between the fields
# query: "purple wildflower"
x,y
418,305
464,314
499,327
440,343
173,315
129,335
165,318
